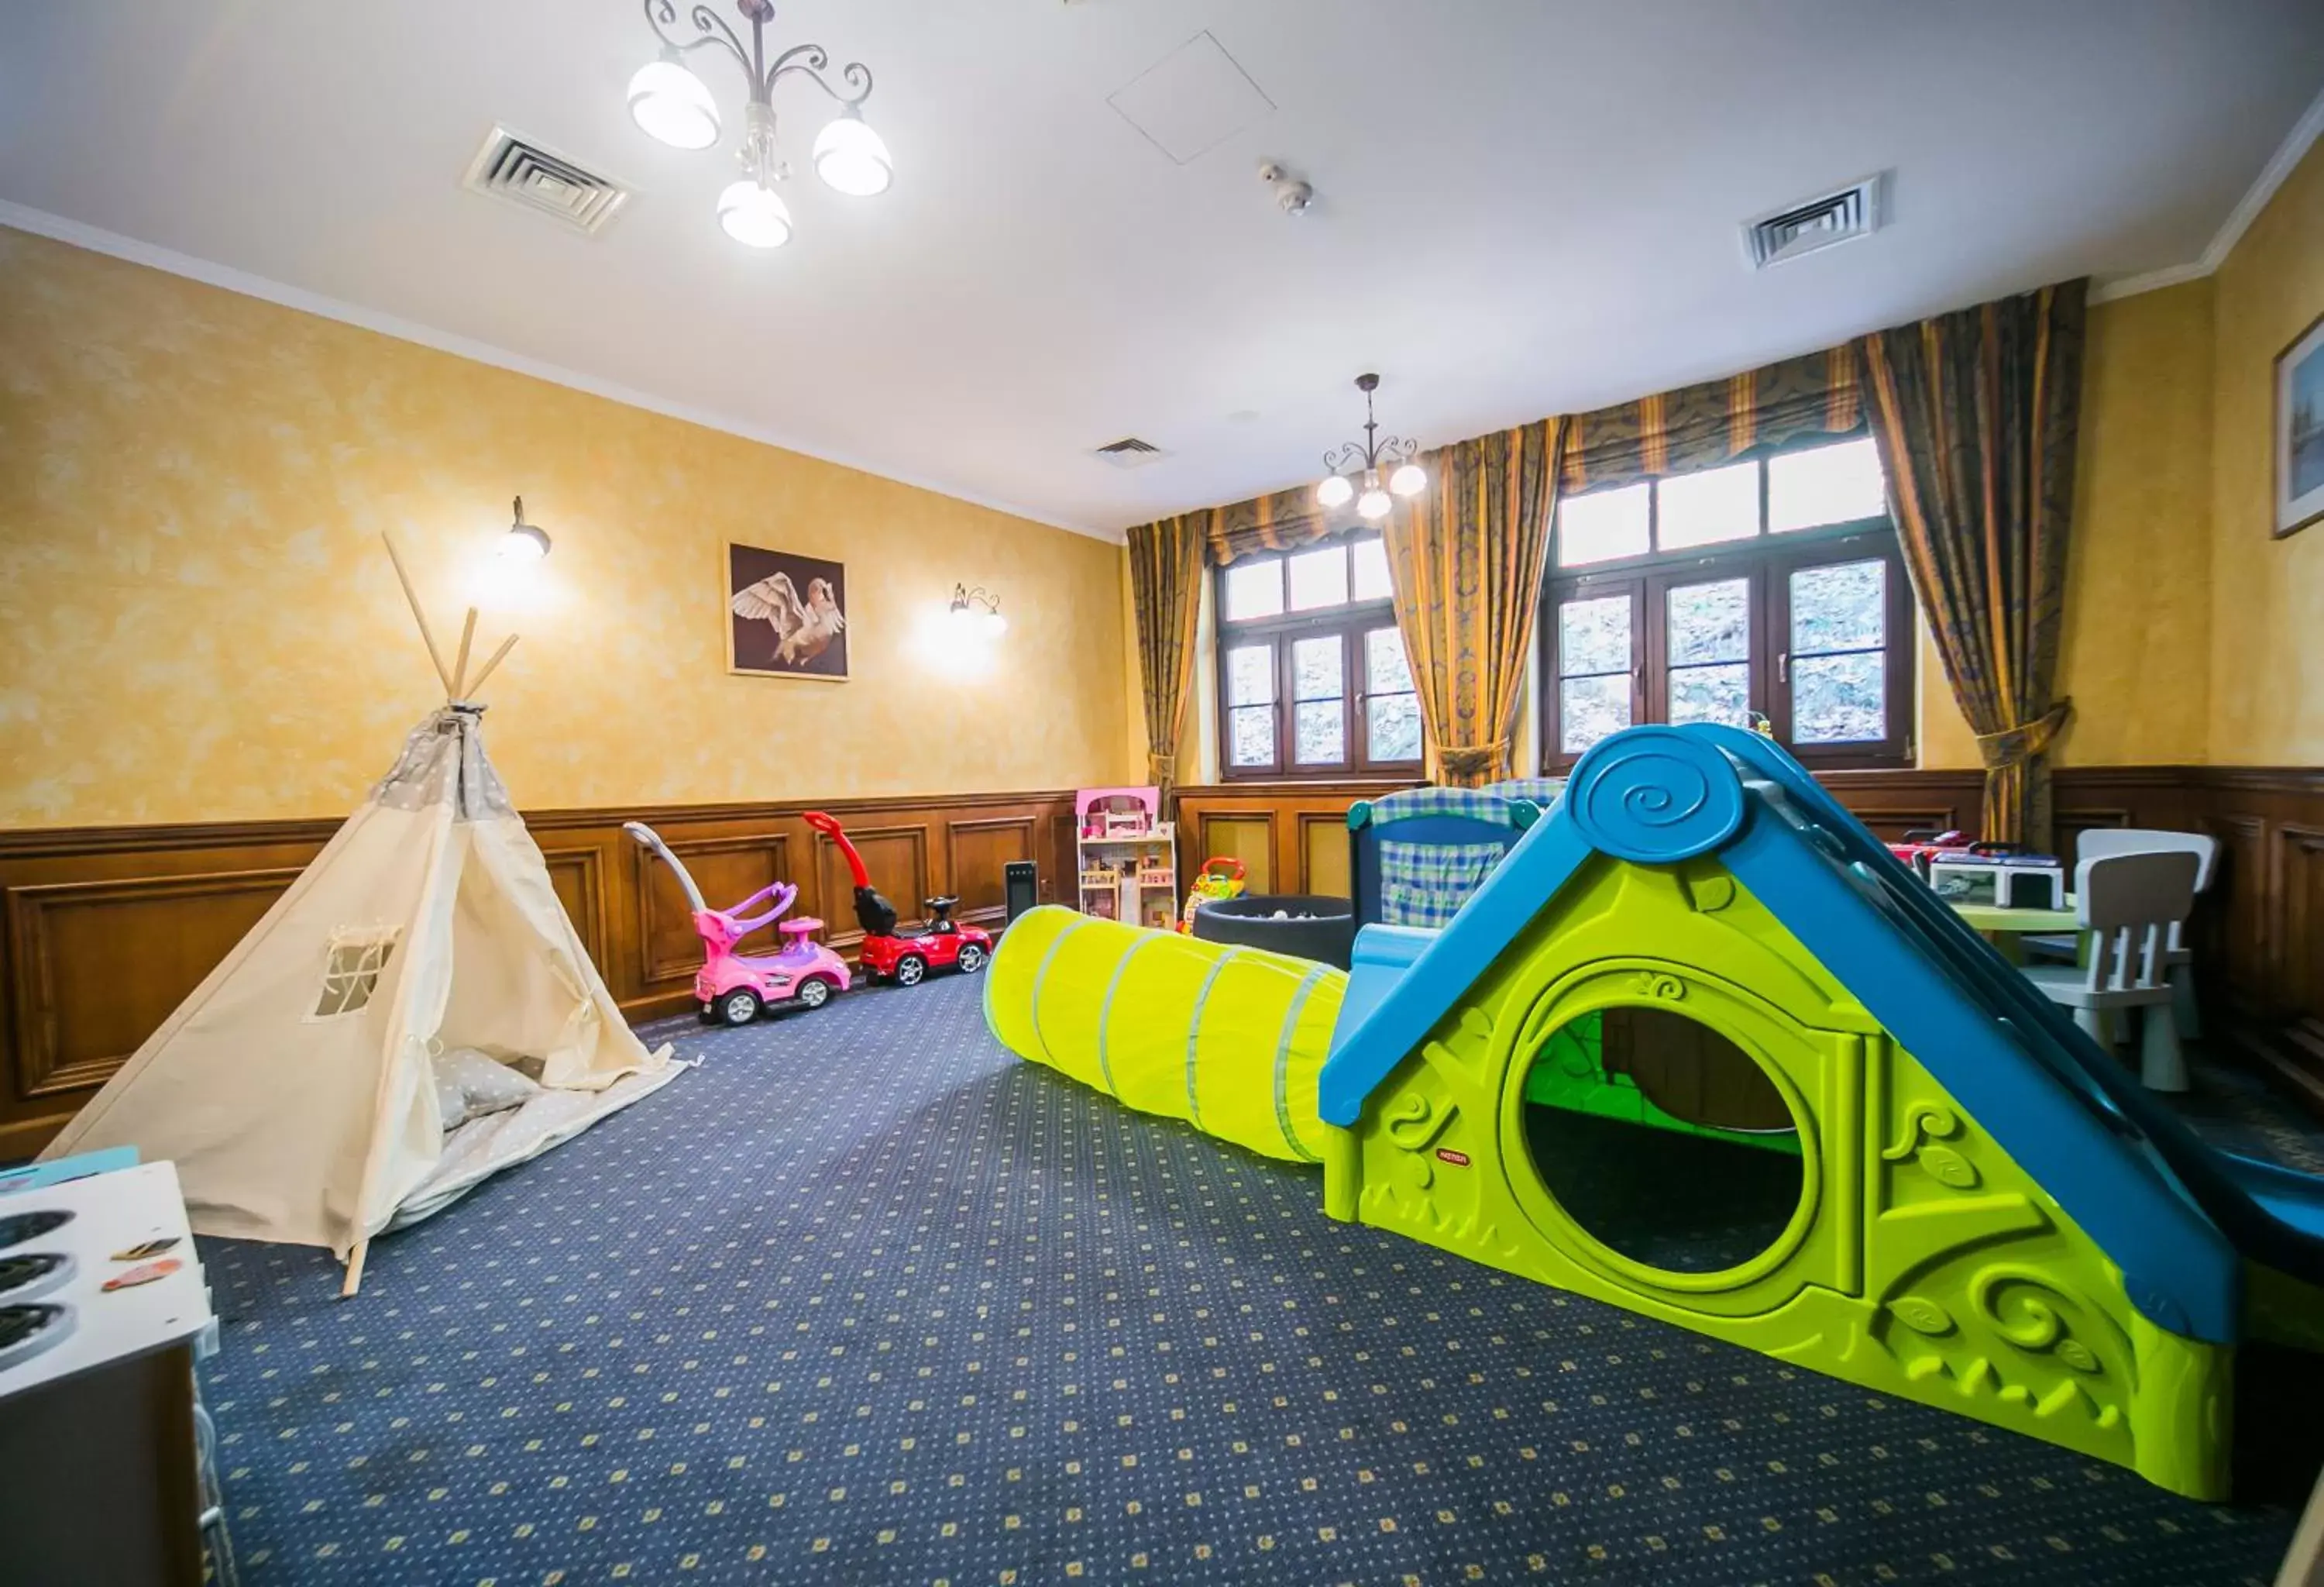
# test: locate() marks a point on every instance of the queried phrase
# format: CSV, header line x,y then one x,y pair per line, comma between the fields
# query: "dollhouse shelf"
x,y
1127,858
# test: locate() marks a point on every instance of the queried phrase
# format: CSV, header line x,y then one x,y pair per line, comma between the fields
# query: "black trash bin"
x,y
1311,927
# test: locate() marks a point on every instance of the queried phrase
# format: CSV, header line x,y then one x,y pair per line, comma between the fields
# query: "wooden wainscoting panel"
x,y
2299,887
1892,803
1246,835
1058,880
2240,940
975,852
728,870
1323,856
172,900
99,965
1280,831
578,877
897,857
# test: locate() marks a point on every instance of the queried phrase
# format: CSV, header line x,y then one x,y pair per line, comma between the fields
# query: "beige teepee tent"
x,y
294,1088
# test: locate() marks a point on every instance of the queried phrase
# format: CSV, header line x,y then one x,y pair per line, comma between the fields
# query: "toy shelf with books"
x,y
1128,857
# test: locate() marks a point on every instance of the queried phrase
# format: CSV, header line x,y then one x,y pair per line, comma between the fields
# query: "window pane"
x,y
1589,708
1395,727
1315,668
1843,606
1709,623
1322,733
1839,699
1594,635
1712,693
1319,578
1251,730
1371,570
1385,670
1825,484
1250,674
1255,588
1703,509
1603,525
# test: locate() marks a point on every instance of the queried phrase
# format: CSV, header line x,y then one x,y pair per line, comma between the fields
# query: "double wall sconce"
x,y
977,612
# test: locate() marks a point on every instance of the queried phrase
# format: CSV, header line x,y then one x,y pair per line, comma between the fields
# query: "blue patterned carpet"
x,y
864,1300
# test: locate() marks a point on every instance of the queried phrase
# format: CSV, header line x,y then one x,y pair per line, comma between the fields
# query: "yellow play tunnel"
x,y
1229,1039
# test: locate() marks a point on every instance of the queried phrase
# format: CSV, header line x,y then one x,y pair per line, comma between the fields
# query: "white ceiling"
x,y
1523,208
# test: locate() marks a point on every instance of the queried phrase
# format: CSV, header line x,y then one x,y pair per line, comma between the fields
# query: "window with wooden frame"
x,y
1766,590
1313,681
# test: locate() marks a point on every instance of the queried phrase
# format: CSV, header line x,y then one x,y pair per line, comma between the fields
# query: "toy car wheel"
x,y
814,993
739,1007
972,958
910,970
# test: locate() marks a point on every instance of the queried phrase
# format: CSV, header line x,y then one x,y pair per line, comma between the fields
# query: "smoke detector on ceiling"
x,y
523,172
1294,195
1856,210
1129,452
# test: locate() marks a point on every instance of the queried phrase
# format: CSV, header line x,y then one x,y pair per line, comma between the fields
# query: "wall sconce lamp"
x,y
524,542
977,612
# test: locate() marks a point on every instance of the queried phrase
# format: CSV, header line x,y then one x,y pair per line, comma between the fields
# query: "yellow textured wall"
x,y
2136,649
198,621
2267,595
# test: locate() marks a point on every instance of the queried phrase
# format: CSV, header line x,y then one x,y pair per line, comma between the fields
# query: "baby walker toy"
x,y
1218,879
733,987
904,957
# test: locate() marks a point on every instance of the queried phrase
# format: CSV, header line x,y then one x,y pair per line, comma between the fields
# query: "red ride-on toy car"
x,y
904,957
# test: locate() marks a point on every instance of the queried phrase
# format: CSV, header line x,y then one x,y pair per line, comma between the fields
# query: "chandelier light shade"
x,y
753,214
1360,461
850,157
670,103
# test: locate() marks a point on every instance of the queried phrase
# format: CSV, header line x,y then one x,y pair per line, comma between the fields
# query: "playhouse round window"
x,y
1665,1142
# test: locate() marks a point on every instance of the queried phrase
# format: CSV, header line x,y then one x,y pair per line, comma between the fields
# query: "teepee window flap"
x,y
352,965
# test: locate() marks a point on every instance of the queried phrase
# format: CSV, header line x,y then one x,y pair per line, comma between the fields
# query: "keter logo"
x,y
1445,1154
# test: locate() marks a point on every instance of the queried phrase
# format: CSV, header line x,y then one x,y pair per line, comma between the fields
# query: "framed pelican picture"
x,y
786,614
2300,431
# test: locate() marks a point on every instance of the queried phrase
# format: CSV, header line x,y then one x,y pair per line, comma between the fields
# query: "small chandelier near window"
x,y
1356,466
673,105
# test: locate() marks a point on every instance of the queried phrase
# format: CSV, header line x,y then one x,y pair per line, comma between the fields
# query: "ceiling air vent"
x,y
1854,211
1129,452
523,172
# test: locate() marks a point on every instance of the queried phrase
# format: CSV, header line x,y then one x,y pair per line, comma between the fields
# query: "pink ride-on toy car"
x,y
733,987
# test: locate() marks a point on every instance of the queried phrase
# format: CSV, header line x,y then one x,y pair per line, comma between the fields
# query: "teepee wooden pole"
x,y
460,666
355,1268
427,634
492,661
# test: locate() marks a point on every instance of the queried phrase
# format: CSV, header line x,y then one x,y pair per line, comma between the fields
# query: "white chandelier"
x,y
673,105
1356,466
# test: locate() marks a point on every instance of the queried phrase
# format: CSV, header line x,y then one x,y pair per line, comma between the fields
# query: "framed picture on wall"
x,y
786,614
2300,431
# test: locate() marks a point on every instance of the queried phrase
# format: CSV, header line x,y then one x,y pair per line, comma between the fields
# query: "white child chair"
x,y
2127,905
2106,842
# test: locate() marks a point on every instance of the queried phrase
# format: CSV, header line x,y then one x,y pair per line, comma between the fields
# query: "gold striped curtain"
x,y
1703,426
1977,415
1165,582
1282,522
1466,557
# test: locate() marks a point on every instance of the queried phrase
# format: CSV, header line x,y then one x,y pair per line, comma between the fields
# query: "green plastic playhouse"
x,y
1990,1217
